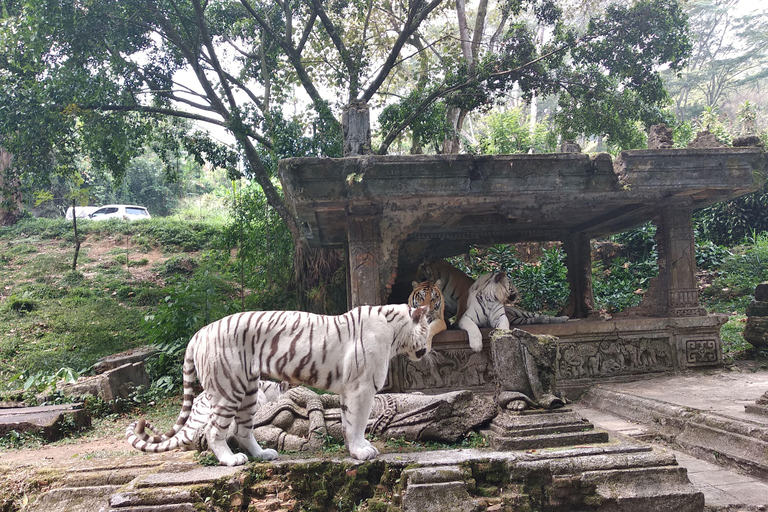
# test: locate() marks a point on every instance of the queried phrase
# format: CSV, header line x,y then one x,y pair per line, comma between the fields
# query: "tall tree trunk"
x,y
10,188
470,49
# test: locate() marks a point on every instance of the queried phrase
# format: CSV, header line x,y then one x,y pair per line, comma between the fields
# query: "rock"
x,y
111,385
757,308
116,360
660,137
761,292
705,139
48,419
570,146
756,331
746,141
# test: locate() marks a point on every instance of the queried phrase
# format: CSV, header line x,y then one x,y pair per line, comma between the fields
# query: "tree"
x,y
729,53
95,78
604,75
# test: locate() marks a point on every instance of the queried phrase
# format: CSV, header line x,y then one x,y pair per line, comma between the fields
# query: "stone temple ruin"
x,y
392,212
389,213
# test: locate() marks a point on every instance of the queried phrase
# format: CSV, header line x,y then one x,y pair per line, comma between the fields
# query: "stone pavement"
x,y
699,417
696,418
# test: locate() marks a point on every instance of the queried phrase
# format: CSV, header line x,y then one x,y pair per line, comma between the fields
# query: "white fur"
x,y
485,307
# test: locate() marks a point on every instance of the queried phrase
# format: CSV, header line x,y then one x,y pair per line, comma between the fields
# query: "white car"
x,y
120,211
82,212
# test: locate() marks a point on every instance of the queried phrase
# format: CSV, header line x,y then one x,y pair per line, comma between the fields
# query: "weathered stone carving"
x,y
705,139
302,420
356,127
701,351
524,367
452,369
660,137
570,146
613,357
756,330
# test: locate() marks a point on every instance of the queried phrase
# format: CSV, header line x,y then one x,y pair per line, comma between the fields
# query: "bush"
x,y
543,285
620,285
734,285
189,306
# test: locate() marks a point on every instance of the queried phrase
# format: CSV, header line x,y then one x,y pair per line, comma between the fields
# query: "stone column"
x,y
364,260
676,290
578,260
356,126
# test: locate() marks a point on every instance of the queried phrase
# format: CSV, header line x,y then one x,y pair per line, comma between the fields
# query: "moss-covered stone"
x,y
328,486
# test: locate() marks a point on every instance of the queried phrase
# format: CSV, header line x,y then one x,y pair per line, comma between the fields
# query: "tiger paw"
x,y
236,459
267,454
476,343
366,452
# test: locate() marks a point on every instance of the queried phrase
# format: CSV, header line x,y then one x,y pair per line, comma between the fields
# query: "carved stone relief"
x,y
701,352
607,358
453,369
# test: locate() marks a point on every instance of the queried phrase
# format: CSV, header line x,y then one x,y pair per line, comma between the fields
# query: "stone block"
x,y
438,497
47,419
114,384
705,139
746,140
756,331
761,292
117,360
660,137
757,308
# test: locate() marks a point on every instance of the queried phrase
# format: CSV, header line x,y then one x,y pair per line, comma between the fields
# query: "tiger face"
x,y
428,294
454,284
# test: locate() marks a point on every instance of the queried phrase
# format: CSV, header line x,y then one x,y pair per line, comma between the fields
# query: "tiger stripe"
x,y
231,355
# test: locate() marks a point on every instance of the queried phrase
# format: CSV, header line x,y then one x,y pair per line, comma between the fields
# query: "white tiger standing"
x,y
347,354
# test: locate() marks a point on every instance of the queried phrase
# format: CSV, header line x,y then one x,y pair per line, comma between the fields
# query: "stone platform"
x,y
582,352
711,416
626,476
643,465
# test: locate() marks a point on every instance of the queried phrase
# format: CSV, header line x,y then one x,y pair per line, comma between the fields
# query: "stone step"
x,y
538,429
48,420
543,441
74,499
533,431
176,507
739,443
156,497
622,478
658,489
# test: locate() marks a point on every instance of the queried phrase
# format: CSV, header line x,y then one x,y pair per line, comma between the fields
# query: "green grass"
x,y
52,317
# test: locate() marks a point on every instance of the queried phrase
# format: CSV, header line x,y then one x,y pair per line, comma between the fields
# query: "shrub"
x,y
189,306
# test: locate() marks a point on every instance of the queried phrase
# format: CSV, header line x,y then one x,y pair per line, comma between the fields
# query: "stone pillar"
x,y
675,291
756,330
578,260
364,260
356,125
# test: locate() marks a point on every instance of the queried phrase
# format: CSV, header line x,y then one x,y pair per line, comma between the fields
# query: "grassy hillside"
x,y
53,317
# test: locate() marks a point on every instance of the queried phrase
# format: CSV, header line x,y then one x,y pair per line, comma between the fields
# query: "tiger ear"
x,y
418,313
439,283
499,277
415,284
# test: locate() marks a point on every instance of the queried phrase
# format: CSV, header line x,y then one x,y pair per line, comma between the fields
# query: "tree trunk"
x,y
10,187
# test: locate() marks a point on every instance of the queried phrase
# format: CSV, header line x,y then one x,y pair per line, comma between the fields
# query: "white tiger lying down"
x,y
348,354
486,307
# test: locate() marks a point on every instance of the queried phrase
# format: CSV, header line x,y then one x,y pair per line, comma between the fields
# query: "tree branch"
x,y
412,23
